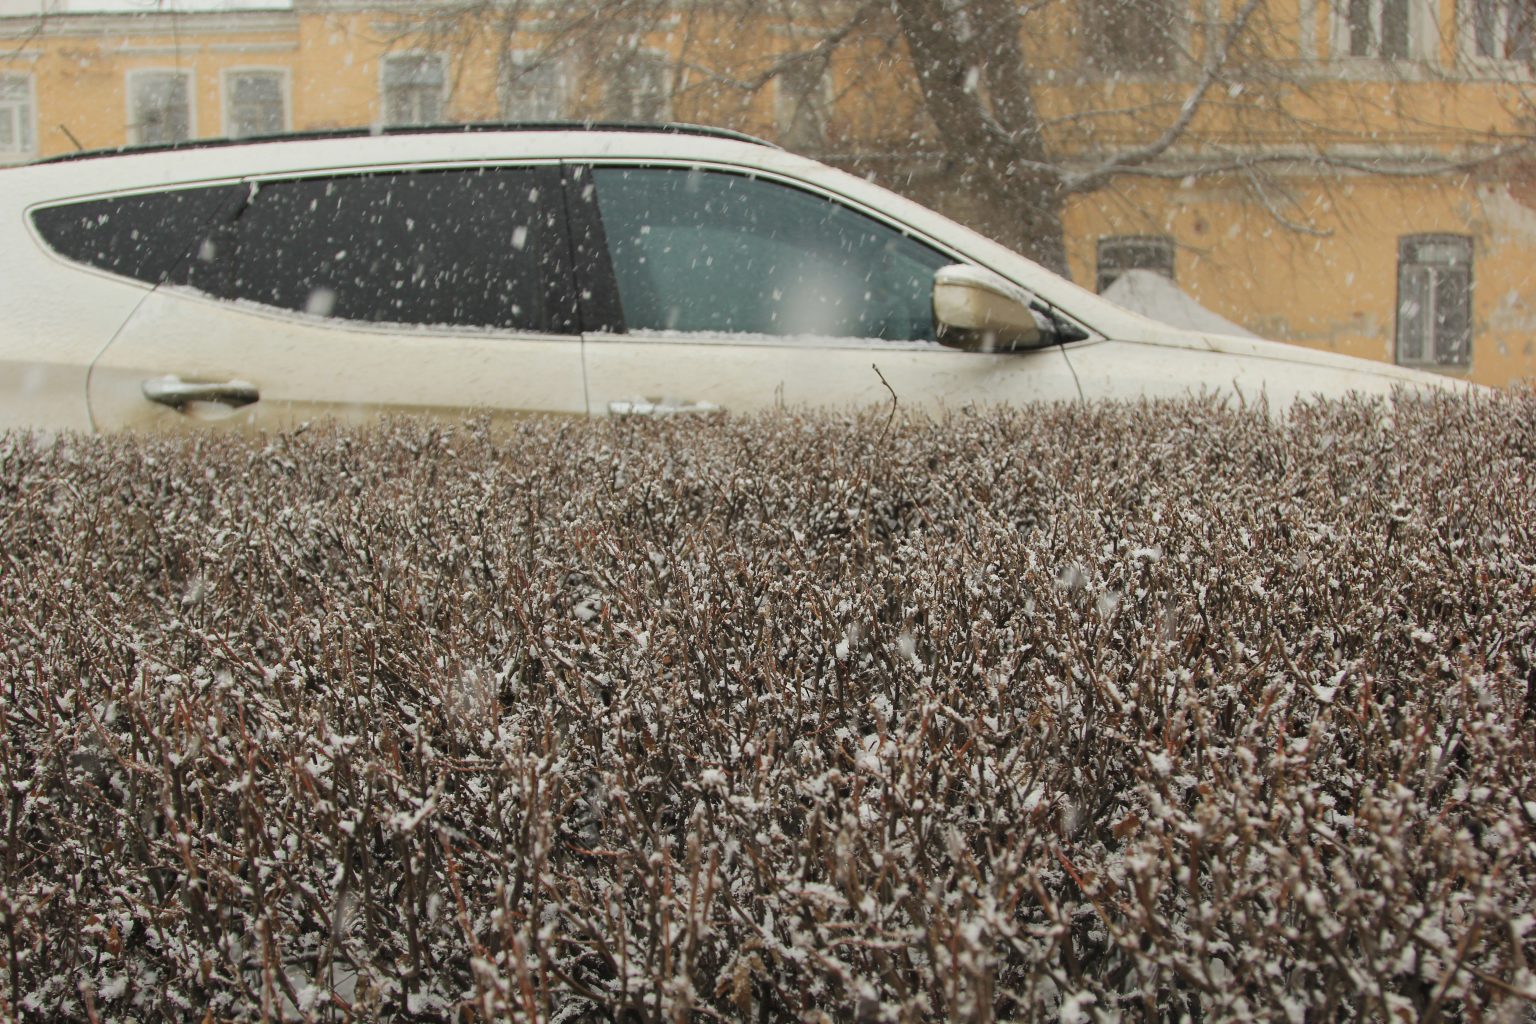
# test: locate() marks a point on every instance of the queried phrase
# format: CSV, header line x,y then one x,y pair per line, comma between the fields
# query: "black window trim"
x,y
597,289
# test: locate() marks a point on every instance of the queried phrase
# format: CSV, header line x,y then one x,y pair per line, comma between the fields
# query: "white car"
x,y
588,271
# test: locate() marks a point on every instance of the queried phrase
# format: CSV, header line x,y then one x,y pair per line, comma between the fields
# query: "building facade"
x,y
1364,185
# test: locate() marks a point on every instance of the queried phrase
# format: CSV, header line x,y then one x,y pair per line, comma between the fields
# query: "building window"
x,y
1502,29
533,88
1380,29
160,106
1120,253
17,136
640,89
255,103
802,104
1134,36
414,86
1434,300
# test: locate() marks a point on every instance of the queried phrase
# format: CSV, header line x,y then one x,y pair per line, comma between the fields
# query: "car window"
x,y
151,237
478,247
696,250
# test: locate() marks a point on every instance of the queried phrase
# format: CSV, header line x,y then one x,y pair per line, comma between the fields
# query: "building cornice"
x,y
127,26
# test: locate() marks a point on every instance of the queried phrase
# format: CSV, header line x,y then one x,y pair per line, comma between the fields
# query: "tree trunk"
x,y
1029,220
977,89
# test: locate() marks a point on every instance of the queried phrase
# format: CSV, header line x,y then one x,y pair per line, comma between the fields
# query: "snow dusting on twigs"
x,y
1073,713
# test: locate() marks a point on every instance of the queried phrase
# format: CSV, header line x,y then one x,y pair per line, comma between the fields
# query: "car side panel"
x,y
58,316
743,376
308,367
1276,374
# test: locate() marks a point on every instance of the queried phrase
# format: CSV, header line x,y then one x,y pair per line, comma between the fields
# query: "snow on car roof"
x,y
667,128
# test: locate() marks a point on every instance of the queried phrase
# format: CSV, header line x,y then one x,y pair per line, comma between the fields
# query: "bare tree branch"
x,y
1215,63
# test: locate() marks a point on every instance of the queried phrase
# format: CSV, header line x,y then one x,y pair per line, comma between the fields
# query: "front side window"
x,y
16,132
255,103
1434,300
695,250
160,106
481,248
414,87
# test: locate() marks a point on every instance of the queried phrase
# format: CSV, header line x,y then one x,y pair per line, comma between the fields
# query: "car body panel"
x,y
308,366
59,316
1247,369
66,321
742,375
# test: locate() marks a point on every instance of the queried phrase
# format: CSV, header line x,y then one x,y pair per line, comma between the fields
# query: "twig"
x,y
891,418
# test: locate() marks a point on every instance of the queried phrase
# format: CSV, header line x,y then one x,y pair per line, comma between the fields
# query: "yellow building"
x,y
1337,186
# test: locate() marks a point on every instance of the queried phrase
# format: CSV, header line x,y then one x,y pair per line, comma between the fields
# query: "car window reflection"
x,y
700,251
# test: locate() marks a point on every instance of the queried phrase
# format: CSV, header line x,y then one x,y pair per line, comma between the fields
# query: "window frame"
x,y
26,117
1421,28
1407,244
520,62
441,59
1163,243
1471,53
188,79
790,99
656,59
227,88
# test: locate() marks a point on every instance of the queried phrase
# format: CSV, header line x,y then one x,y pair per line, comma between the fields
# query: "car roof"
x,y
80,176
664,128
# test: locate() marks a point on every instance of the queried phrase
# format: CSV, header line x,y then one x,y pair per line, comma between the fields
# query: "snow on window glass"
x,y
698,251
153,237
469,248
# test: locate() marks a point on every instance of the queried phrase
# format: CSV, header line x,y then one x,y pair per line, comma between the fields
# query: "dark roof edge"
x,y
670,128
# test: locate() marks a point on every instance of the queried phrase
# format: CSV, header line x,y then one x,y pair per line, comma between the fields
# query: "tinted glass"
x,y
702,251
150,238
475,248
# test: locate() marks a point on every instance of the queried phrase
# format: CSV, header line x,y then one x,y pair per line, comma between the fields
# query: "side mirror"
x,y
979,311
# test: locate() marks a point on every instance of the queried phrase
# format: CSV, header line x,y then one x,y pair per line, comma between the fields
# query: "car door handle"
x,y
660,407
178,393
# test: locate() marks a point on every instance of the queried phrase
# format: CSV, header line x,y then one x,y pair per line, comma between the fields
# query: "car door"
x,y
743,292
346,296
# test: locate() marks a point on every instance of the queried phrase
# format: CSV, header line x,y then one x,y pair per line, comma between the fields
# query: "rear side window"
x,y
483,247
151,237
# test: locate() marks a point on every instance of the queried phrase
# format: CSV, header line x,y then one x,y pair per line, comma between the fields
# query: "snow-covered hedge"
x,y
1069,713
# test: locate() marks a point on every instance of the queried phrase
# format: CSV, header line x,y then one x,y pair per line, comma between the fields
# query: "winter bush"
x,y
1071,713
